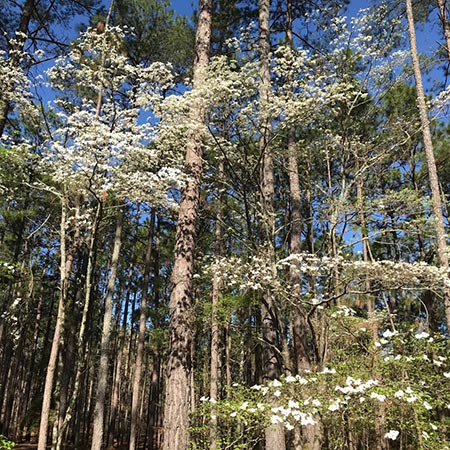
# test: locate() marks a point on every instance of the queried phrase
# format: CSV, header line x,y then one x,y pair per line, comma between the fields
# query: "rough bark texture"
x,y
300,325
429,154
304,437
299,322
103,369
176,407
274,434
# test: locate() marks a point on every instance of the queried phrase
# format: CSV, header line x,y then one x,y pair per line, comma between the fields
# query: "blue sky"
x,y
184,7
426,39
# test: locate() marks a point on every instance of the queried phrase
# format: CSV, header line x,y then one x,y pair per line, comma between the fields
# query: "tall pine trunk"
x,y
429,154
176,406
442,4
300,325
65,268
309,437
215,327
103,369
274,434
136,393
81,353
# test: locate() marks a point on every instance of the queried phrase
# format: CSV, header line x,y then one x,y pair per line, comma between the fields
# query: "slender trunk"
x,y
215,328
30,390
154,410
445,24
103,369
309,437
176,406
299,326
365,251
228,356
124,406
333,221
274,434
65,268
81,354
429,154
136,393
118,375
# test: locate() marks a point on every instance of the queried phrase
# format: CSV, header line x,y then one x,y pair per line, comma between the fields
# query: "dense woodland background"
x,y
226,231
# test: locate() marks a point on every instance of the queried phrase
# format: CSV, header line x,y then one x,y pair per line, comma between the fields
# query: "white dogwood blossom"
x,y
103,144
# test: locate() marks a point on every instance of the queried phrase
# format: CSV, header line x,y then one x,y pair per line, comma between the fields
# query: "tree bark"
x,y
274,434
103,370
154,417
176,406
215,327
299,325
429,154
65,268
114,416
136,393
81,359
445,24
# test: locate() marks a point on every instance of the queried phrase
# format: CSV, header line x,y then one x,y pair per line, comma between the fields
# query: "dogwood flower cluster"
x,y
258,273
16,89
406,387
103,144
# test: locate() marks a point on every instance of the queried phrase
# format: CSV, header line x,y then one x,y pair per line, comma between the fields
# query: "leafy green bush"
x,y
6,444
393,387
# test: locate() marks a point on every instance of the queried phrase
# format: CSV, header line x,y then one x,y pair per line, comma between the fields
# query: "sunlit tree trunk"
x,y
177,404
228,377
429,154
305,437
300,326
442,4
154,418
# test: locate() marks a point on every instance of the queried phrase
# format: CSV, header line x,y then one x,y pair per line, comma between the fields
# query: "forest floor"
x,y
33,446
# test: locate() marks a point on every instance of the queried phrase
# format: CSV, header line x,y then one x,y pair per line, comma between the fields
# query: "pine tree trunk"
x,y
176,406
309,437
103,369
136,393
300,325
154,420
445,24
215,328
118,376
81,353
228,377
65,268
429,154
274,434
